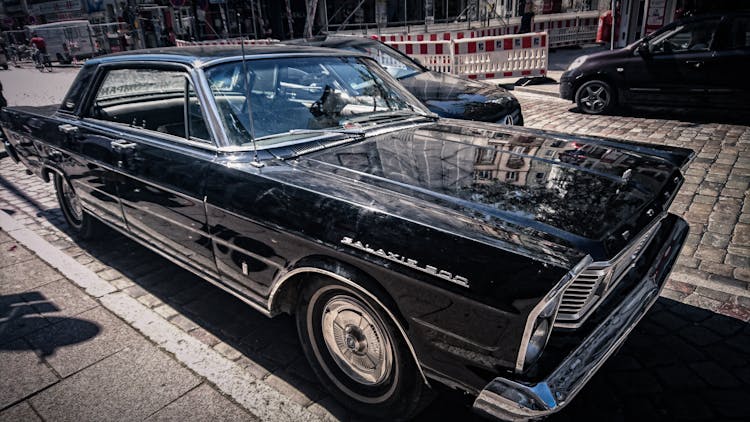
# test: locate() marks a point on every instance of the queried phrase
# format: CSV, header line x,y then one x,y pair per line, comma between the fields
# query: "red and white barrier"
x,y
493,57
434,55
232,41
502,56
563,29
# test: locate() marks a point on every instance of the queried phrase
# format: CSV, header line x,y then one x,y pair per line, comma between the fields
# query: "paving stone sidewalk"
x,y
64,357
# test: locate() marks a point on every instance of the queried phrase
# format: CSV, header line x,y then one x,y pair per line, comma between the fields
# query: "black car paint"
x,y
702,79
245,227
444,94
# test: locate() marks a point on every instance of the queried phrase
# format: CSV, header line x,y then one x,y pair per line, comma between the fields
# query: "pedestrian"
x,y
38,42
527,19
3,101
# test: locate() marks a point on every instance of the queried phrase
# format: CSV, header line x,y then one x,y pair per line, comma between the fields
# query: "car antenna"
x,y
256,162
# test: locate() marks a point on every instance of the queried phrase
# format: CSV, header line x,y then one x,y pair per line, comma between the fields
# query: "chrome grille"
x,y
596,281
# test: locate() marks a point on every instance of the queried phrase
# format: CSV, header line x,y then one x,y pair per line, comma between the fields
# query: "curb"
x,y
532,89
250,392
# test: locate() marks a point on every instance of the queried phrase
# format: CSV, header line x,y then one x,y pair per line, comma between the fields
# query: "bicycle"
x,y
41,60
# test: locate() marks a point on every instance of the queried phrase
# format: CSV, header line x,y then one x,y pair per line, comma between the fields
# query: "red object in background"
x,y
604,31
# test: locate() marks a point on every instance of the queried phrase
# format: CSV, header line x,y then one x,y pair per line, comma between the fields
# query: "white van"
x,y
76,34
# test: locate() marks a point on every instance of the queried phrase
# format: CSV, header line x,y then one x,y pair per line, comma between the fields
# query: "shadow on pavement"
x,y
23,313
680,363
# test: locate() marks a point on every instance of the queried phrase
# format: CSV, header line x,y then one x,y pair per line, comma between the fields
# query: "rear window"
x,y
77,90
739,35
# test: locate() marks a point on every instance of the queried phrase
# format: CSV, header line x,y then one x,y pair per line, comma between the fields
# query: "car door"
x,y
732,88
675,68
162,150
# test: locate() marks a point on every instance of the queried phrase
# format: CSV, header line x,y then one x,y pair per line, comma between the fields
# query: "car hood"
x,y
580,193
451,96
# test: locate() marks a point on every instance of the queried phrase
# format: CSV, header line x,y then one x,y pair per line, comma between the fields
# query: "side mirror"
x,y
643,49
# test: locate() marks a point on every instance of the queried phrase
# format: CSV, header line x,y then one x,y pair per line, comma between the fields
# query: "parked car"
x,y
503,261
444,94
692,62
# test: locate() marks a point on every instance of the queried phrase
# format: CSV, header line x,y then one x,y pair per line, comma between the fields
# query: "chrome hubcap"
x,y
595,98
357,340
508,120
74,204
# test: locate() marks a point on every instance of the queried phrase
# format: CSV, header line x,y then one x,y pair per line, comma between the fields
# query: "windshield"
x,y
398,65
290,95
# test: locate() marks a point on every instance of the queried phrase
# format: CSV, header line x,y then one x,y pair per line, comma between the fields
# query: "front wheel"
x,y
84,225
357,352
595,97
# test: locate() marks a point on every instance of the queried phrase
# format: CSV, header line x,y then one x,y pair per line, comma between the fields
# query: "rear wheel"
x,y
357,352
595,97
78,219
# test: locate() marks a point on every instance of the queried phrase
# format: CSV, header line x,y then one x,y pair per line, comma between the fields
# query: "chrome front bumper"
x,y
511,400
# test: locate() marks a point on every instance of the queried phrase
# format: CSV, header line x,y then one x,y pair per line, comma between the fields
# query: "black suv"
x,y
694,62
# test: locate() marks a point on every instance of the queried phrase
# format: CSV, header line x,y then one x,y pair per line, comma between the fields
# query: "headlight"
x,y
540,333
537,342
578,62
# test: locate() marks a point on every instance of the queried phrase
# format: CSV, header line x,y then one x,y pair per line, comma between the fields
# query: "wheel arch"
x,y
48,172
285,292
599,76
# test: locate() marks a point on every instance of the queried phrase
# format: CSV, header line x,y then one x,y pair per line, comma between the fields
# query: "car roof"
x,y
333,41
202,56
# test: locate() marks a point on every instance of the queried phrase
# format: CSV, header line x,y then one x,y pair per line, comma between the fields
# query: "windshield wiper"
x,y
387,115
325,131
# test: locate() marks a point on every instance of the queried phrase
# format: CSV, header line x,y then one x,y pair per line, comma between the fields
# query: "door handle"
x,y
121,145
68,129
695,63
125,151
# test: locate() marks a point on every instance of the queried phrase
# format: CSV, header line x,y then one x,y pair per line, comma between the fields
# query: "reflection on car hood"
x,y
577,192
451,96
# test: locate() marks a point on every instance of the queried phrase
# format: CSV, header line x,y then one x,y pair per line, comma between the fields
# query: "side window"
x,y
197,130
152,99
690,37
739,35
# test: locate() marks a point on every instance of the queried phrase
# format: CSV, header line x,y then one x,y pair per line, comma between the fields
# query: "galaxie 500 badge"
x,y
412,263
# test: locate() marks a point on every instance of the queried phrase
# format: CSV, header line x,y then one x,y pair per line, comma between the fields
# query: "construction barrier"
x,y
563,30
434,55
231,41
502,56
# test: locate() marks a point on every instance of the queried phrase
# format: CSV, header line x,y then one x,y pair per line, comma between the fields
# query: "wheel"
x,y
595,97
358,353
84,225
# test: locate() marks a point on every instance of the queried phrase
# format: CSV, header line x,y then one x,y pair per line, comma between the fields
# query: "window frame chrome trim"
x,y
191,74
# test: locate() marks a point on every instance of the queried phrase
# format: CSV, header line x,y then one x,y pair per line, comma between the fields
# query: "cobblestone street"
x,y
687,360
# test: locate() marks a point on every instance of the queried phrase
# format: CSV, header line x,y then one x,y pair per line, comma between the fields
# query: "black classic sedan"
x,y
444,94
505,262
695,62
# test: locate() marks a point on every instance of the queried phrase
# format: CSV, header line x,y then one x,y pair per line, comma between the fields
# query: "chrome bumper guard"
x,y
511,400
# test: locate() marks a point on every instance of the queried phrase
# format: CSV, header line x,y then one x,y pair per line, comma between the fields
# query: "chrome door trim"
x,y
254,302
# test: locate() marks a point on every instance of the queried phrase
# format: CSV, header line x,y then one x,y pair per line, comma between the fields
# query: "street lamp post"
x,y
612,31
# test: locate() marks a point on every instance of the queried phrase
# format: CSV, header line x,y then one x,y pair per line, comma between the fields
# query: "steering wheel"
x,y
316,109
